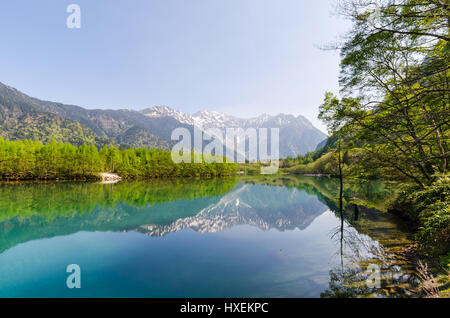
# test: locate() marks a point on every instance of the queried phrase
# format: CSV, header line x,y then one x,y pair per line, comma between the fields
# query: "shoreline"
x,y
99,180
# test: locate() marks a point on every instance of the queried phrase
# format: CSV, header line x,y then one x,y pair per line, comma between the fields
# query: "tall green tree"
x,y
395,75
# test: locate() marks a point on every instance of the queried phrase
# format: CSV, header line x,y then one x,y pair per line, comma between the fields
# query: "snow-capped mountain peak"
x,y
212,119
165,111
297,134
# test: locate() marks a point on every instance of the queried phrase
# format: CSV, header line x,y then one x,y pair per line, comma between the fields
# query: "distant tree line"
x,y
312,156
32,160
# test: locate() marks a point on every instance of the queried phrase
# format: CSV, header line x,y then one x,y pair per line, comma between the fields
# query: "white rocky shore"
x,y
110,177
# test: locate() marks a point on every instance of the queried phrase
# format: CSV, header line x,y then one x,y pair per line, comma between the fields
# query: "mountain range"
x,y
249,204
25,117
264,207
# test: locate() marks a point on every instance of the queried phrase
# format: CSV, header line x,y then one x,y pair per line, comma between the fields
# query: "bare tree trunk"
x,y
341,179
341,204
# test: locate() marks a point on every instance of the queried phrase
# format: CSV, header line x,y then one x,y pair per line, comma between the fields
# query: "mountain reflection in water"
x,y
326,260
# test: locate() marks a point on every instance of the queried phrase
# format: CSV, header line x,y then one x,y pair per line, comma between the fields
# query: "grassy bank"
x,y
427,212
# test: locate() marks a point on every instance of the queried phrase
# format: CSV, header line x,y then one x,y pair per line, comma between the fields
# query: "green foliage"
x,y
28,160
46,127
429,210
433,205
396,87
310,157
395,107
323,165
141,138
23,117
355,164
445,262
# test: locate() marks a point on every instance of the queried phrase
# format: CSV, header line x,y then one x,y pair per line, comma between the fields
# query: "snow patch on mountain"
x,y
297,134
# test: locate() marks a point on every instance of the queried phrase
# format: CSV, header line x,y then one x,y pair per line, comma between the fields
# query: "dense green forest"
x,y
392,117
29,160
24,117
395,79
17,124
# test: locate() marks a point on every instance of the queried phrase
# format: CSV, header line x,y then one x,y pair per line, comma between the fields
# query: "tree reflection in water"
x,y
365,267
279,206
365,263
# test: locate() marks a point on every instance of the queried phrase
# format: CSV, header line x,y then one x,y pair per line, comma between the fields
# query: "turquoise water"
x,y
211,238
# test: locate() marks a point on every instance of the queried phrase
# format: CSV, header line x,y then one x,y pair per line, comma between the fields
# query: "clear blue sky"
x,y
243,57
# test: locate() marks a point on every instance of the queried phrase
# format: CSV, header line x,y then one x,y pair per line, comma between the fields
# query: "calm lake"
x,y
239,237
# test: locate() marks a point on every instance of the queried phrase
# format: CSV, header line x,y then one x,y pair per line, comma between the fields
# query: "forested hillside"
x,y
20,120
395,79
23,117
393,116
